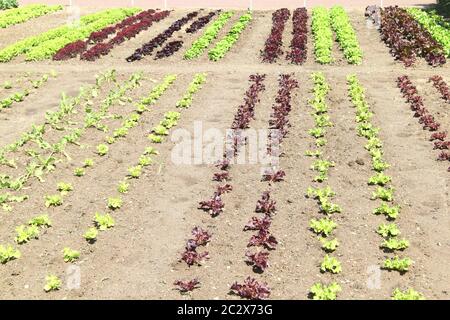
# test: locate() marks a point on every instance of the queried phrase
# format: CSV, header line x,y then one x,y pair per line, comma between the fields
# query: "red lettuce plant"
x,y
258,223
259,260
185,286
214,206
200,22
265,204
263,239
251,289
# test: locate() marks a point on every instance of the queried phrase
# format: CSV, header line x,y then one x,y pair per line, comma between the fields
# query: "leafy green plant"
x,y
145,161
88,163
313,153
135,172
40,221
123,187
395,244
8,253
150,151
52,283
155,138
329,245
102,149
379,179
114,203
388,230
79,172
7,85
70,255
400,265
53,200
323,226
322,167
409,294
25,234
391,212
323,292
91,234
320,142
330,264
317,132
103,221
385,194
64,188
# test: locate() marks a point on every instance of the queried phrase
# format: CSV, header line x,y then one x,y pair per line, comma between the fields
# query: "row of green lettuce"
x,y
23,14
8,4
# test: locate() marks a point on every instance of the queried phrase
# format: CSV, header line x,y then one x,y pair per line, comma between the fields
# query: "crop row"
x,y
46,44
8,4
211,33
425,118
407,39
21,95
128,28
297,54
345,35
215,205
264,240
23,14
272,47
148,48
323,227
322,34
200,22
225,44
437,31
389,232
441,86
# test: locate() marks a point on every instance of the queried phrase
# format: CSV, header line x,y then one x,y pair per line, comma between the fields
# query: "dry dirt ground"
x,y
139,257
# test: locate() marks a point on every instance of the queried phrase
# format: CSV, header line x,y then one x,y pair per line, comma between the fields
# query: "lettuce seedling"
x,y
25,234
155,138
110,140
64,188
151,151
373,143
123,187
8,253
88,163
313,153
259,260
53,200
188,285
251,289
160,130
322,120
70,255
79,172
135,172
400,265
395,244
328,207
120,132
380,179
40,221
317,132
384,194
330,264
103,221
114,203
7,85
323,292
102,149
379,165
52,283
91,234
388,230
409,294
320,142
145,161
323,226
329,245
390,212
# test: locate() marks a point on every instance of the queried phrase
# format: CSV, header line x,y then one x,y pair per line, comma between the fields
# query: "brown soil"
x,y
138,258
